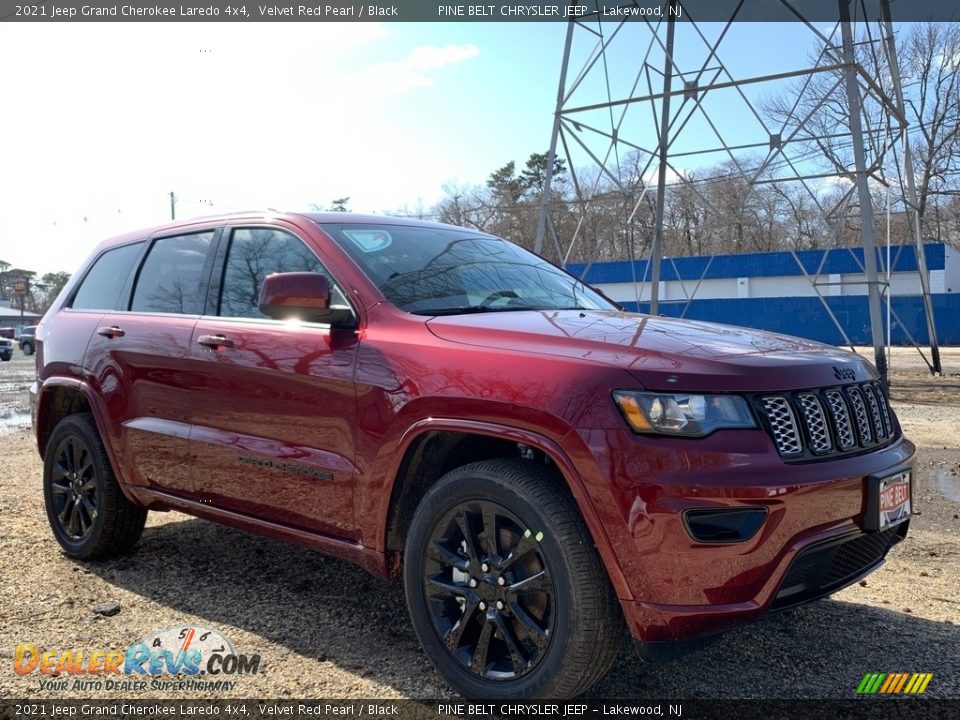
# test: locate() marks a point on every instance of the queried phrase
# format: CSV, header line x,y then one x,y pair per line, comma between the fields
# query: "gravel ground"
x,y
324,628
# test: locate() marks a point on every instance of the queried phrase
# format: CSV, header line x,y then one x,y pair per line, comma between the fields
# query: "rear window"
x,y
101,286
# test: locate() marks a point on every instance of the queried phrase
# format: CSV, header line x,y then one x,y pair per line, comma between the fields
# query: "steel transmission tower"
x,y
644,101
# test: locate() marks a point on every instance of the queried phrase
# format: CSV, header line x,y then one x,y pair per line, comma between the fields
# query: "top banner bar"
x,y
651,11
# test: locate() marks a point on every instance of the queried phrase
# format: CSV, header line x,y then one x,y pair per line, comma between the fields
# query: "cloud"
x,y
414,70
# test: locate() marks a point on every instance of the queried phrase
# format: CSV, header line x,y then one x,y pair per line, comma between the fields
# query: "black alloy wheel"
x,y
506,591
489,591
87,510
73,483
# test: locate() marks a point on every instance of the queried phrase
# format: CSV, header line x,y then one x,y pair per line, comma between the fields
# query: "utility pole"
x,y
173,206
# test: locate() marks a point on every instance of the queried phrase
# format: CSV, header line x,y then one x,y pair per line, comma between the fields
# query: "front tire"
x,y
27,348
505,589
88,513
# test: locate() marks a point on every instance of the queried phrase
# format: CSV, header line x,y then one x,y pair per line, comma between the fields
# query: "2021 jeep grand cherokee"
x,y
435,403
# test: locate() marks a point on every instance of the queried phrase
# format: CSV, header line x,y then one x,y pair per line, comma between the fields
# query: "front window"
x,y
255,253
436,271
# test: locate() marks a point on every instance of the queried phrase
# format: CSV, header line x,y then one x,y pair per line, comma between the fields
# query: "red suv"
x,y
433,403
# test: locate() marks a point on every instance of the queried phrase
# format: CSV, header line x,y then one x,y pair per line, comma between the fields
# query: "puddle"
x,y
14,420
943,482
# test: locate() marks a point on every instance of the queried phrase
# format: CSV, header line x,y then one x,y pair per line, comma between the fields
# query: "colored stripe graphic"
x,y
894,683
913,682
892,679
903,680
870,683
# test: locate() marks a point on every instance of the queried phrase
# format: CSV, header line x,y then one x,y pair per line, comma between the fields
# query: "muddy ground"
x,y
324,628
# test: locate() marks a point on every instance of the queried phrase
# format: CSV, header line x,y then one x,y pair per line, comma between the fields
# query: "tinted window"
x,y
255,253
101,286
438,271
171,279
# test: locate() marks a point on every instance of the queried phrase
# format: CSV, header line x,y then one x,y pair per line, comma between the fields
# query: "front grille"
x,y
816,424
830,566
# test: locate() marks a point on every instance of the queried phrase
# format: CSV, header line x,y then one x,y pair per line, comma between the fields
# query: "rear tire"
x,y
27,348
88,512
506,591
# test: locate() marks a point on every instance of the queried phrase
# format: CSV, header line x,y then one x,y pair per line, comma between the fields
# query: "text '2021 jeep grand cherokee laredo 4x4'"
x,y
432,402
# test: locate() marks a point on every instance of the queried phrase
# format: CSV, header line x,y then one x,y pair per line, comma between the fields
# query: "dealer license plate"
x,y
890,501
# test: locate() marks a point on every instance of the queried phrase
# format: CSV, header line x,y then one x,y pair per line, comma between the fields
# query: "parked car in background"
x,y
8,332
27,339
540,468
6,349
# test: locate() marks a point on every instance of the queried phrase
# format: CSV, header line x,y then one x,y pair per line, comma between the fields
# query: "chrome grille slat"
x,y
783,425
841,420
816,422
813,424
884,408
880,430
860,414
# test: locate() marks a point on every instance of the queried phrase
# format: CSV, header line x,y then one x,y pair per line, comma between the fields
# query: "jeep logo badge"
x,y
843,373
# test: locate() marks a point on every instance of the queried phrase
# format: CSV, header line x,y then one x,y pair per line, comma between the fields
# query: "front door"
x,y
274,414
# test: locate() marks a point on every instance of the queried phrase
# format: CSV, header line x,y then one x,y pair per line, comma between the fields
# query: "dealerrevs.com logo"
x,y
176,659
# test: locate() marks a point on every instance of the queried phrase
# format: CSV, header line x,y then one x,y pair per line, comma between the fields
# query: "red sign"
x,y
894,496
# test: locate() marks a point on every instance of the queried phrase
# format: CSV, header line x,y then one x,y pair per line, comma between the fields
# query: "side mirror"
x,y
303,296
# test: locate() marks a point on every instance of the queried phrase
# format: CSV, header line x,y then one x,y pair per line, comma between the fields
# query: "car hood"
x,y
662,353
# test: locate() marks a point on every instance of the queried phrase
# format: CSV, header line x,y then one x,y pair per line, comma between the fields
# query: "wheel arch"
x,y
405,487
62,396
58,398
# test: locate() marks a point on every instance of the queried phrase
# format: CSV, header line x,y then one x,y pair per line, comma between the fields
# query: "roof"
x,y
316,217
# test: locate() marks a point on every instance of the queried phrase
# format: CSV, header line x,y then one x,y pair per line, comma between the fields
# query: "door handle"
x,y
215,341
111,332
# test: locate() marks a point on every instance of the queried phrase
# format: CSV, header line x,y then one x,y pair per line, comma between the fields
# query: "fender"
x,y
100,416
506,432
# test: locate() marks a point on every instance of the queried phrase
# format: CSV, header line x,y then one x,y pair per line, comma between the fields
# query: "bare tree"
x,y
929,55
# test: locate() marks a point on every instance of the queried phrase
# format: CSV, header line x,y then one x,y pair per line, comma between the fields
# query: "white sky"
x,y
102,121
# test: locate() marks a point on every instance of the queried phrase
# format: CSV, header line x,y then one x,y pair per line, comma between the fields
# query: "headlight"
x,y
682,414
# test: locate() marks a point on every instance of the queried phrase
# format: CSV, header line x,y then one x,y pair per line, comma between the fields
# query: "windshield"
x,y
431,271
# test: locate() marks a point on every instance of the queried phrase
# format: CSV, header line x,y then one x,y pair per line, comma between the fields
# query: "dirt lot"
x,y
326,629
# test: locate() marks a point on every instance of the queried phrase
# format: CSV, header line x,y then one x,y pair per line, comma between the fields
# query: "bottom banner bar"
x,y
875,706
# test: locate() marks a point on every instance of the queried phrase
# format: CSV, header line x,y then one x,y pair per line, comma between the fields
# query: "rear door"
x,y
138,354
274,409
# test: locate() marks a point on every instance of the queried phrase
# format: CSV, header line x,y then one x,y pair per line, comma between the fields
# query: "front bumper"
x,y
831,565
812,542
818,571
